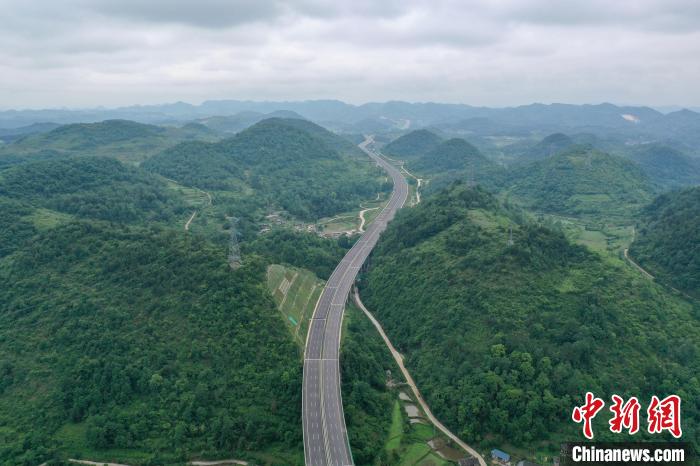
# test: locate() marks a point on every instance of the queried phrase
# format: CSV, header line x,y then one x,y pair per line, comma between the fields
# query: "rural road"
x,y
637,266
409,380
325,435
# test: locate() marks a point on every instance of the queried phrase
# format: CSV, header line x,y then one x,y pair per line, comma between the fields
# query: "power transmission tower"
x,y
510,237
234,250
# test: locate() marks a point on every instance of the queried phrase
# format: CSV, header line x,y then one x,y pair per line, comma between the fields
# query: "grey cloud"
x,y
89,52
202,13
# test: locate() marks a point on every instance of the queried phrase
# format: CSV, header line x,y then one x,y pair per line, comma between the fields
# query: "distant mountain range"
x,y
638,124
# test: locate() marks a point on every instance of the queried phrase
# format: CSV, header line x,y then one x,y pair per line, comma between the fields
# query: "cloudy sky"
x,y
82,53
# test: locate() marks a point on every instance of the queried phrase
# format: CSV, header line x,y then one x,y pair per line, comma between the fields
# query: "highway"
x,y
325,434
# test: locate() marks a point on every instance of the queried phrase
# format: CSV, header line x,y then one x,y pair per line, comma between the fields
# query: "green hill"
x,y
547,147
122,139
666,166
124,338
35,197
452,155
503,340
412,145
332,140
140,346
277,164
582,181
93,188
668,242
454,160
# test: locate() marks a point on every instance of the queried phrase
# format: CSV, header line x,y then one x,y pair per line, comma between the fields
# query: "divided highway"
x,y
325,434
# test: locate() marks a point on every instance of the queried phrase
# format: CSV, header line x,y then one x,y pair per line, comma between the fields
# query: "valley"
x,y
510,278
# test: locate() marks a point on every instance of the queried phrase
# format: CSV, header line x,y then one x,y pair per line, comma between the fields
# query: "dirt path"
x,y
187,225
218,463
94,463
416,393
361,228
419,181
637,266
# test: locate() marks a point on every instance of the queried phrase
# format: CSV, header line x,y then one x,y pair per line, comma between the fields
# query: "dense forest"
x,y
453,154
125,140
666,166
92,188
121,338
582,181
504,339
364,362
547,147
284,246
277,163
668,242
412,145
124,337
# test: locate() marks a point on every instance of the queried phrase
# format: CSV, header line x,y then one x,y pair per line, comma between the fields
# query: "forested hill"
x,y
668,239
125,338
453,154
582,181
279,164
412,145
38,196
126,140
140,345
504,339
547,147
91,187
668,167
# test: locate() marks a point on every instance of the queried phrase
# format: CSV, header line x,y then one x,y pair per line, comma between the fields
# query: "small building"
x,y
527,463
468,462
500,457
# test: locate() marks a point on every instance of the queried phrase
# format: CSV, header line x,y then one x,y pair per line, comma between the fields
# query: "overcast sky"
x,y
82,53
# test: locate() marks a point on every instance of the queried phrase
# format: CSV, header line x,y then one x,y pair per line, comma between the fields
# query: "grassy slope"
x,y
503,340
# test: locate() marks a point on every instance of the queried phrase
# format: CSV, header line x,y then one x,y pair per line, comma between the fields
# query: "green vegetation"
x,y
304,250
274,164
666,166
412,145
668,244
367,402
295,292
92,188
547,147
125,140
456,159
582,182
124,337
135,338
504,340
453,154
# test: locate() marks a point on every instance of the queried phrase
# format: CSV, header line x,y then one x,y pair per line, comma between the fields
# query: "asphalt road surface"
x,y
325,434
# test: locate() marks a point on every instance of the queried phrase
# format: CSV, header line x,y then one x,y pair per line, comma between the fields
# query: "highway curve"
x,y
325,434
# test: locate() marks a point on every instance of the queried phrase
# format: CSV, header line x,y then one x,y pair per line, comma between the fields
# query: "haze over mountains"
x,y
636,123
